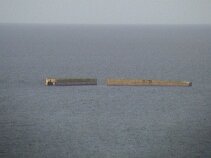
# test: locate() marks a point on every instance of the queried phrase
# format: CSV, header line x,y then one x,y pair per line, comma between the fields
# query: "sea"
x,y
104,121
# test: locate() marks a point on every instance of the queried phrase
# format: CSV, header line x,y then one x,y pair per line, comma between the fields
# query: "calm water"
x,y
100,121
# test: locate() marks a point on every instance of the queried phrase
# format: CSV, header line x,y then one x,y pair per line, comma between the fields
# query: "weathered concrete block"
x,y
70,81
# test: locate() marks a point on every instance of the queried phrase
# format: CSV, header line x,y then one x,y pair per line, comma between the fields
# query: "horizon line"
x,y
101,24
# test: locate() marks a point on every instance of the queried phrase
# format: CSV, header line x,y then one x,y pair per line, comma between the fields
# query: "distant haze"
x,y
106,11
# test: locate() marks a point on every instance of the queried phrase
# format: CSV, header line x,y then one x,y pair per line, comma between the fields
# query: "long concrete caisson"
x,y
141,82
70,81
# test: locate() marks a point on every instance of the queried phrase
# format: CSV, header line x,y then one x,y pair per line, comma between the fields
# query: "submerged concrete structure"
x,y
70,81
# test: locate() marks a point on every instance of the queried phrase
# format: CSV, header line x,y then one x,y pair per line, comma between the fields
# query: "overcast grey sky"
x,y
106,11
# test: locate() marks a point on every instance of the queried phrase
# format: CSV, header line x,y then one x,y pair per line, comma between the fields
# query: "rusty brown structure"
x,y
141,82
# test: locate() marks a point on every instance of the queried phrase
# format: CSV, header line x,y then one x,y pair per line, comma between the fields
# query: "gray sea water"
x,y
100,121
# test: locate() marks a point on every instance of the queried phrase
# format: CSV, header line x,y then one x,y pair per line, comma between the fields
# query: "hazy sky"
x,y
106,11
